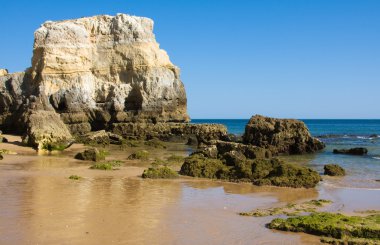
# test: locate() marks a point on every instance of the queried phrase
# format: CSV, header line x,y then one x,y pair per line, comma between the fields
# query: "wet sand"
x,y
40,205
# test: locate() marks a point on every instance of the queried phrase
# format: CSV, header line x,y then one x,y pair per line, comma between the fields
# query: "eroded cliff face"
x,y
95,72
106,69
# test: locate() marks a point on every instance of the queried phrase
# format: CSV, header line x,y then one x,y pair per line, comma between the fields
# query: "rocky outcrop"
x,y
107,69
259,171
353,151
170,131
287,136
101,72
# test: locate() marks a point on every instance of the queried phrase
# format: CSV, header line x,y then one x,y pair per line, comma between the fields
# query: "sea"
x,y
362,171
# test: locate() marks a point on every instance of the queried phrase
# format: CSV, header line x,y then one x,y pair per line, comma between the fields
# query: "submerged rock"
x,y
287,136
353,151
334,170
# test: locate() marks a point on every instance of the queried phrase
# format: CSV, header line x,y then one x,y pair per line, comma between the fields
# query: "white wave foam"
x,y
377,158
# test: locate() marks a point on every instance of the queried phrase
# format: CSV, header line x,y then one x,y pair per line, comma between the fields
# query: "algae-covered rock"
x,y
290,209
159,173
287,136
198,165
334,170
353,151
333,225
1,157
258,171
141,155
107,165
91,154
278,173
156,143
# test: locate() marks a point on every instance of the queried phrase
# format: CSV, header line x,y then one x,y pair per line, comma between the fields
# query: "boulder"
x,y
281,136
91,154
334,170
353,151
46,131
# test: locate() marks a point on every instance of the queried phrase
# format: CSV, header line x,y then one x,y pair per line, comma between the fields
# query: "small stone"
x,y
334,170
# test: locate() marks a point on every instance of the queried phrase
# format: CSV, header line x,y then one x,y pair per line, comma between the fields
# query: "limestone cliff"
x,y
95,72
106,69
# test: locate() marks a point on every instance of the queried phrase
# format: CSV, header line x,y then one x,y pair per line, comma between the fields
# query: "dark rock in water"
x,y
353,151
1,157
258,171
4,140
374,136
92,154
334,170
286,136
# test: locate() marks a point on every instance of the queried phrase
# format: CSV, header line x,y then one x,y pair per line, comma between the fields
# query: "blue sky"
x,y
281,58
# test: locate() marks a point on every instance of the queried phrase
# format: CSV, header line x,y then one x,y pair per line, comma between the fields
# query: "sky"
x,y
281,58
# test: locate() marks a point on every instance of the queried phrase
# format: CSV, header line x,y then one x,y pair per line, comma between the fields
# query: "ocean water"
x,y
362,171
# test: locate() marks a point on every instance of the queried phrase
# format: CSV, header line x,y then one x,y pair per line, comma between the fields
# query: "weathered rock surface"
x,y
3,72
93,73
107,69
170,131
259,171
91,154
353,151
334,170
286,136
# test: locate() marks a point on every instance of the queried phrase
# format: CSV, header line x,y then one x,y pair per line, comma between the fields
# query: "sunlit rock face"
x,y
94,72
97,71
105,69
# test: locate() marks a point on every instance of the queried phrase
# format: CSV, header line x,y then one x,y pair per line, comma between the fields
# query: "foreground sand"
x,y
40,205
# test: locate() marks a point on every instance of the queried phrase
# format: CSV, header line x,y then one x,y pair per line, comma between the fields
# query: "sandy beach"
x,y
40,205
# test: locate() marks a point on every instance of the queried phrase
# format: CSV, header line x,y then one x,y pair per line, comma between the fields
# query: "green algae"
x,y
108,165
156,143
163,172
140,155
290,209
199,166
258,171
75,177
175,159
333,225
